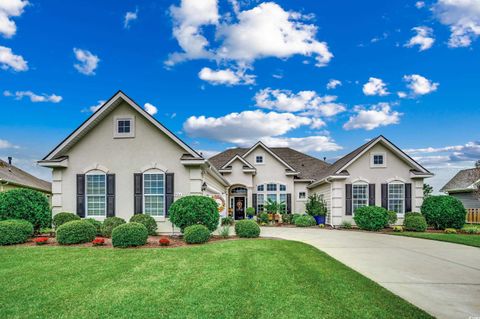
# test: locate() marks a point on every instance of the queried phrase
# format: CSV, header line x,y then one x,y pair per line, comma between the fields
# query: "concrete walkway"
x,y
440,278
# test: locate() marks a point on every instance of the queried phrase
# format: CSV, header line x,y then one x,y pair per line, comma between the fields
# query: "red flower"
x,y
164,241
40,240
99,241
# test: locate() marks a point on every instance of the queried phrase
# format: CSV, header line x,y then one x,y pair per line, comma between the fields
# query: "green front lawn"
x,y
470,240
233,279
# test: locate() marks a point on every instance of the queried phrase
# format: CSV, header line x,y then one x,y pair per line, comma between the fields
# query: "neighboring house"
x,y
12,177
377,173
121,161
464,186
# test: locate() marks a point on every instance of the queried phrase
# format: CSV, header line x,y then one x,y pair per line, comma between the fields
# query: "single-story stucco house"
x,y
121,161
464,186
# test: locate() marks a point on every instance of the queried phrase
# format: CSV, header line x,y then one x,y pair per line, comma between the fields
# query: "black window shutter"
x,y
348,199
169,191
254,202
110,195
289,203
385,196
81,195
408,197
371,194
137,193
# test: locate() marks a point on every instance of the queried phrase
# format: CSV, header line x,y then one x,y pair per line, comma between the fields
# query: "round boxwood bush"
x,y
305,221
415,222
196,234
193,210
110,223
26,204
371,217
64,217
129,235
14,231
247,229
444,212
76,232
147,220
97,224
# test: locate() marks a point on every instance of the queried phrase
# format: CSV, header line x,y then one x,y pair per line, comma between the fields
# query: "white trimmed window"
x,y
396,197
260,202
271,191
154,194
271,187
378,159
96,194
260,188
302,195
124,127
259,159
359,195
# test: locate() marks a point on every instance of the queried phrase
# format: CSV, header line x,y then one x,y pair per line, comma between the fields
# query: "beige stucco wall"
x,y
299,204
150,148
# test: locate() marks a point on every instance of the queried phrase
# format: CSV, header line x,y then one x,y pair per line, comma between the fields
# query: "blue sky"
x,y
227,73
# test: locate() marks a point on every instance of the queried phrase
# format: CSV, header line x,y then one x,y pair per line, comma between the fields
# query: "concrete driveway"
x,y
440,278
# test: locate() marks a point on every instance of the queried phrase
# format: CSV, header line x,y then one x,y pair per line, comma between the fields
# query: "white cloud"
x,y
9,60
9,9
150,108
307,101
35,98
402,94
419,85
447,156
463,18
88,61
4,144
333,84
226,77
129,17
94,108
420,4
317,123
264,31
423,38
303,144
378,115
244,127
375,86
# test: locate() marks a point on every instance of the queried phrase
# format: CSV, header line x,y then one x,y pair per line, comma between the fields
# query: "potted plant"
x,y
250,212
317,208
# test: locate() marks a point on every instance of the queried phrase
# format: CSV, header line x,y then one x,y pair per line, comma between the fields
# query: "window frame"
x,y
366,199
302,198
117,120
96,173
153,172
372,159
402,198
259,156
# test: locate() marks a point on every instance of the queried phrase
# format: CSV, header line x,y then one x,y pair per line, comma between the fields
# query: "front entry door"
x,y
239,207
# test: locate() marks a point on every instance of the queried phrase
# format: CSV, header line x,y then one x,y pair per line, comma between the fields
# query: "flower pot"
x,y
319,219
250,217
270,216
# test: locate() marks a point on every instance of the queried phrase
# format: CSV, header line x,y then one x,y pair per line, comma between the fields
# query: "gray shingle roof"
x,y
462,179
308,167
15,175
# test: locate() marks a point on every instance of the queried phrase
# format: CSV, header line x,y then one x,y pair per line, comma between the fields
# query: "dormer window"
x,y
124,127
378,160
259,159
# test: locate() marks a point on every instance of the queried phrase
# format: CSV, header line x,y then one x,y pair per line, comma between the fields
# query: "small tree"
x,y
427,190
316,206
273,207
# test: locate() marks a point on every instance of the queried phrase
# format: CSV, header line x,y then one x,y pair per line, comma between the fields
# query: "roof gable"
x,y
266,148
237,157
464,180
101,113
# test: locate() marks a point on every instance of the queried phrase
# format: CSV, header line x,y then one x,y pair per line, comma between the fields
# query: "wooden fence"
x,y
473,215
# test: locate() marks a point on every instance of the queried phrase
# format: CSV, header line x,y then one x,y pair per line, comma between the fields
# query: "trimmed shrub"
x,y
194,210
346,224
15,231
371,218
392,218
247,229
227,221
287,218
76,232
26,204
471,229
110,223
444,212
398,229
305,221
450,231
129,235
196,234
62,218
97,224
147,221
250,211
415,222
263,218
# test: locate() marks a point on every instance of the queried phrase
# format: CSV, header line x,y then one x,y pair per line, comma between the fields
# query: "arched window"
x,y
154,193
396,197
359,195
96,194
